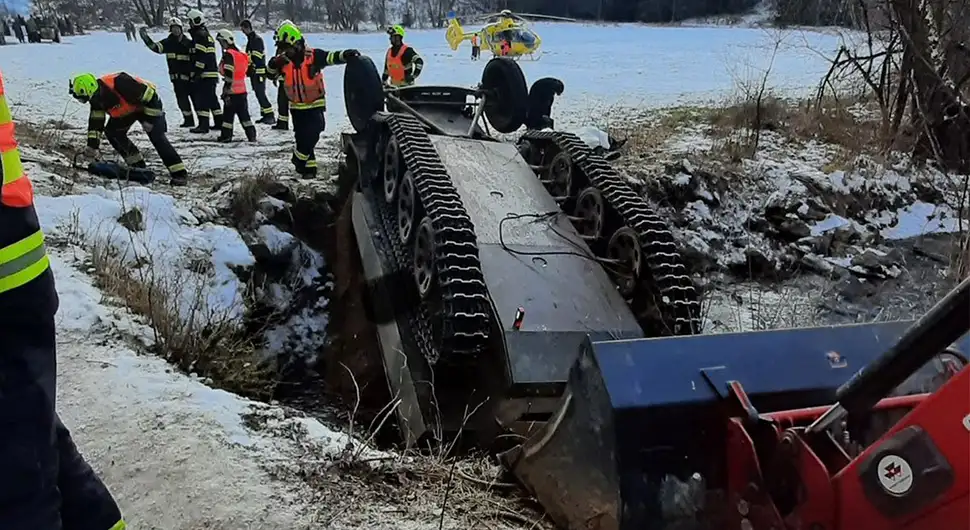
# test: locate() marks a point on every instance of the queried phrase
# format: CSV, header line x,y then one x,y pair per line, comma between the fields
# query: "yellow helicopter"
x,y
504,33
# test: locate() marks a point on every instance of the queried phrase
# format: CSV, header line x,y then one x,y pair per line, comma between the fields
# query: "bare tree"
x,y
152,12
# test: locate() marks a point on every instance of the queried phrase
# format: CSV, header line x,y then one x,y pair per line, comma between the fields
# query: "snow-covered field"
x,y
604,68
181,455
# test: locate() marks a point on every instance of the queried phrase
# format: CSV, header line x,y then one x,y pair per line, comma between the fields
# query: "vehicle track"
x,y
456,321
664,293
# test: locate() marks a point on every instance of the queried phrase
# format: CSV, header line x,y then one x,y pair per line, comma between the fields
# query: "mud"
x,y
352,364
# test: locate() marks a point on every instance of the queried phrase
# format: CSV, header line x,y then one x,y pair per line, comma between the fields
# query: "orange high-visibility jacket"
x,y
22,254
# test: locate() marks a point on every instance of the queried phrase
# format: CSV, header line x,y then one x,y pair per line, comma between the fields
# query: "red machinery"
x,y
915,476
737,431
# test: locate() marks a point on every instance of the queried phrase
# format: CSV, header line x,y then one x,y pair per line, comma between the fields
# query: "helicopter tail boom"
x,y
455,34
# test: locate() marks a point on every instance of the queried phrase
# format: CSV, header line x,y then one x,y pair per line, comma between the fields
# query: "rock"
x,y
872,258
758,263
853,289
812,210
697,253
133,220
794,229
280,191
877,263
816,263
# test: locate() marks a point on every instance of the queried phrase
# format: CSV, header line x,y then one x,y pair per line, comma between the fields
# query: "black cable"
x,y
549,217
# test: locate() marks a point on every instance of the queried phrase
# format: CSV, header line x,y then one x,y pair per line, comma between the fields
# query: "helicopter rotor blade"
x,y
545,17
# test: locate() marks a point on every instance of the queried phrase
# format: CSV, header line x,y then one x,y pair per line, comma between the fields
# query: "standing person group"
x,y
195,72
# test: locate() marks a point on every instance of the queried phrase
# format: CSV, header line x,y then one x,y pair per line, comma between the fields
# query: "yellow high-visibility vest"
x,y
25,259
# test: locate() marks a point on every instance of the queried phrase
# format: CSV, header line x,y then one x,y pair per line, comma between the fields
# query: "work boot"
x,y
268,119
282,125
223,139
179,178
188,122
251,134
203,128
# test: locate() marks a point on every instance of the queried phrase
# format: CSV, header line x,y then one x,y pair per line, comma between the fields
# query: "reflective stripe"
x,y
305,106
120,525
13,168
22,262
5,116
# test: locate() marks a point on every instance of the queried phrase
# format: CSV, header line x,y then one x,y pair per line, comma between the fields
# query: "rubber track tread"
x,y
465,310
677,298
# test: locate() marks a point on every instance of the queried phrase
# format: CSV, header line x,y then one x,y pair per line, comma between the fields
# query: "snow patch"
x,y
920,219
162,238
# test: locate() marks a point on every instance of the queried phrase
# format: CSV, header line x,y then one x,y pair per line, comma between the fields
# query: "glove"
x,y
351,54
147,126
143,32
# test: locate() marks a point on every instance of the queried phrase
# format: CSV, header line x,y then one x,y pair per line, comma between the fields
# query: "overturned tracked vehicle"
x,y
490,263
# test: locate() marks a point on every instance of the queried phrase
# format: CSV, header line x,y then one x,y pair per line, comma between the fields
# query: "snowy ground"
x,y
604,68
220,452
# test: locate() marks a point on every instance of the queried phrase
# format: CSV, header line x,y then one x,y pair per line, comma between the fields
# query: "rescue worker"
x,y
46,483
126,99
402,65
506,47
301,71
234,68
476,49
541,97
177,49
256,51
282,103
205,74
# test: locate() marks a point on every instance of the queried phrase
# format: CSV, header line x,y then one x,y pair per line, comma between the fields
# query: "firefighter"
x,y
126,99
301,72
177,48
282,103
402,65
205,74
257,78
541,97
234,68
46,483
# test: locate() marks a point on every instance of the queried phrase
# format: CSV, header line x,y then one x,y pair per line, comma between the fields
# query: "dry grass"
x,y
244,204
851,126
199,341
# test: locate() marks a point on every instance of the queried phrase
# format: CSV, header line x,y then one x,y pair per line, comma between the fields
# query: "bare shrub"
x,y
187,332
244,203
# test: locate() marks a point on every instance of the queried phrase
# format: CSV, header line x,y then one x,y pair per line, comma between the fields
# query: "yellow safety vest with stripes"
x,y
22,254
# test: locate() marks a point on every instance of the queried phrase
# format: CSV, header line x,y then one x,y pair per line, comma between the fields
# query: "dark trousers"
x,y
259,88
308,124
283,104
116,131
206,101
237,105
183,96
45,481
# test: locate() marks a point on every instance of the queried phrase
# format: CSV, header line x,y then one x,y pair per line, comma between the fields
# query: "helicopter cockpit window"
x,y
517,35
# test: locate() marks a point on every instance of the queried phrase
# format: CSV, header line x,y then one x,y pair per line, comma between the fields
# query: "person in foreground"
x,y
45,484
127,99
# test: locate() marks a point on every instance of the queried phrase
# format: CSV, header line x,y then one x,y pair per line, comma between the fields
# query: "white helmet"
x,y
226,36
195,18
174,21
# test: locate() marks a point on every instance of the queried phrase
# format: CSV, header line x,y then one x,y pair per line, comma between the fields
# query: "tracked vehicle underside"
x,y
484,279
635,244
